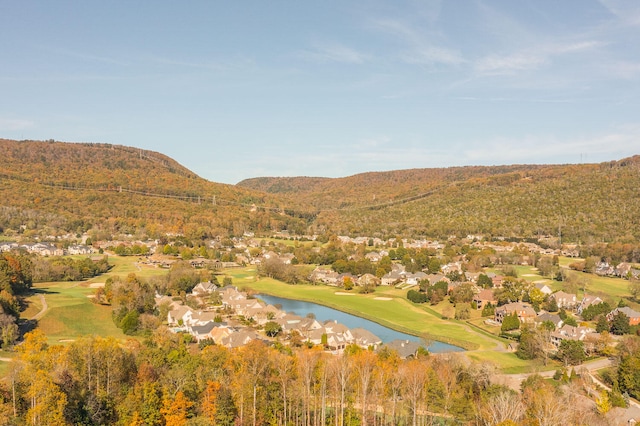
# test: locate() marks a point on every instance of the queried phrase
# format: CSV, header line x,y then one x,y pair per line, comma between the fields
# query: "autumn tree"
x,y
175,410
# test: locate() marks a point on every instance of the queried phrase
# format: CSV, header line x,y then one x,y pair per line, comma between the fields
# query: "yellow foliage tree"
x,y
175,410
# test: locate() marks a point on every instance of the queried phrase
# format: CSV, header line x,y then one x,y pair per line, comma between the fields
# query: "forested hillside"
x,y
73,187
581,203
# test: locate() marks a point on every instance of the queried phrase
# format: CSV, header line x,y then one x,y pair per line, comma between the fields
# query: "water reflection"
x,y
323,313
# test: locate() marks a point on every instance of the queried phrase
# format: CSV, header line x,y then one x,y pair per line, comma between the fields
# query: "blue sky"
x,y
239,89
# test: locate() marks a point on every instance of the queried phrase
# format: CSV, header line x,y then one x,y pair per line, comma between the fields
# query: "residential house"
x,y
451,267
543,287
368,280
415,278
176,315
603,268
472,277
496,280
365,339
434,278
326,276
204,288
373,257
634,316
569,332
79,249
526,314
202,332
587,301
239,338
484,297
565,300
553,318
404,348
392,278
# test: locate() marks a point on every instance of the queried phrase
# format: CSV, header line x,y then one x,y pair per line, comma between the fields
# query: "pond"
x,y
323,313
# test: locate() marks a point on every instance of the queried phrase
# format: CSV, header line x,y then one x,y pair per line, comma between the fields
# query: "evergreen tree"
x,y
510,322
620,323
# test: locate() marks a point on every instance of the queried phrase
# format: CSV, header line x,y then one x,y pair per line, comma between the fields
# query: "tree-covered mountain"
x,y
73,187
77,186
586,202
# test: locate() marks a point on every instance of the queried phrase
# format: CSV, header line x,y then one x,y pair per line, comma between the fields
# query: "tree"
x,y
489,310
571,352
530,344
510,322
416,296
634,288
602,324
603,404
462,293
620,324
46,401
175,410
272,328
484,281
463,312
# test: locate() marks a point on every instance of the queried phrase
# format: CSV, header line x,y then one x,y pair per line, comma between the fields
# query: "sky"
x,y
241,89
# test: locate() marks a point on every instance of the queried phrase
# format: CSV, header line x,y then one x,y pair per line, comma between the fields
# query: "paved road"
x,y
514,381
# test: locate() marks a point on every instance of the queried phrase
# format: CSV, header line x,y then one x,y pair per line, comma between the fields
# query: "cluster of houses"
x,y
47,249
527,315
622,270
240,310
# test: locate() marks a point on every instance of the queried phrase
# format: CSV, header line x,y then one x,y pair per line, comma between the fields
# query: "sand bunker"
x,y
96,285
342,293
381,298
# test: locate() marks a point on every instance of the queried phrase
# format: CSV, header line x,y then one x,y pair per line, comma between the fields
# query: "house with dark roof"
x,y
633,315
404,348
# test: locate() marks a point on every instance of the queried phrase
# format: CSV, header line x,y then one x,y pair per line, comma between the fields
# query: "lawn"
x,y
70,313
397,313
125,265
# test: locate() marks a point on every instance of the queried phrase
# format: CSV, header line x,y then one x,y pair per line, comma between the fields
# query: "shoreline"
x,y
464,346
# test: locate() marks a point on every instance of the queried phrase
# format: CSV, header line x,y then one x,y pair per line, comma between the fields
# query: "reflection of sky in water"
x,y
323,313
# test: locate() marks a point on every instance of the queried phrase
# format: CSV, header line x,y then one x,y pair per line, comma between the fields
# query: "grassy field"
x,y
70,313
397,313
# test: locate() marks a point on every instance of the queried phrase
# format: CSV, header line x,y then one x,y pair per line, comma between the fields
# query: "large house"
x,y
634,316
524,311
569,332
565,300
485,297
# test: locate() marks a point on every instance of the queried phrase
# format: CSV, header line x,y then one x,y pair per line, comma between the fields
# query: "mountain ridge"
x,y
119,188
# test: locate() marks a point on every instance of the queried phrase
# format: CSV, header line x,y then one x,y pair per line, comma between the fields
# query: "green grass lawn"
x,y
70,313
397,313
125,265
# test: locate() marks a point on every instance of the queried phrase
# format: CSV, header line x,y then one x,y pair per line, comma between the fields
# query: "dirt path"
x,y
43,310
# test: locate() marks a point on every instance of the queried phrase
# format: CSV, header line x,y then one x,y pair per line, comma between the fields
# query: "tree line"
x,y
162,381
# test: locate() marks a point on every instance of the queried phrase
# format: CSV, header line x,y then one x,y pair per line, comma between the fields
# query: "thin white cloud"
x,y
429,55
232,63
626,70
335,52
87,56
12,124
508,64
627,12
551,149
531,58
420,48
